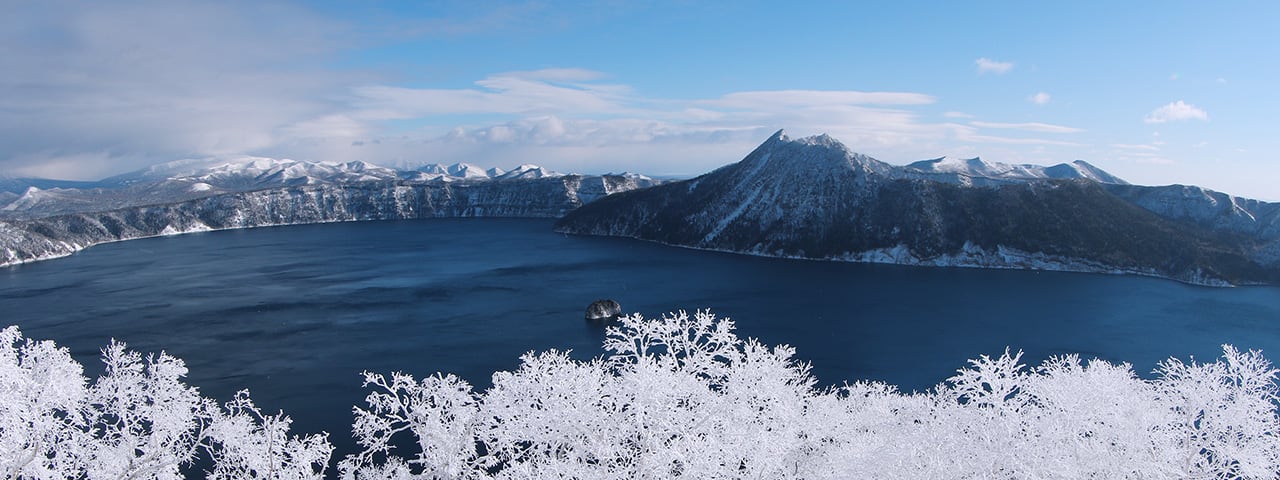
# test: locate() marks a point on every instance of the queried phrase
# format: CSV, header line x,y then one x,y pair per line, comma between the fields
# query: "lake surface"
x,y
296,313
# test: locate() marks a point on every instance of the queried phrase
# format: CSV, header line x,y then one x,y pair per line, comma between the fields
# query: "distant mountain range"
x,y
190,179
814,198
50,219
803,198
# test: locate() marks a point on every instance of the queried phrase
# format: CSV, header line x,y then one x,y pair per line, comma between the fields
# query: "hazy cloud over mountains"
x,y
95,89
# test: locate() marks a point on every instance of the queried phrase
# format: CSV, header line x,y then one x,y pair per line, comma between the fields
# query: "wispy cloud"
x,y
570,118
96,88
1040,98
221,79
816,98
1029,126
1176,111
992,139
538,92
1143,146
987,65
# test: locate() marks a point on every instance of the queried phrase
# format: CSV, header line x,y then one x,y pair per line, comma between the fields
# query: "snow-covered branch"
x,y
677,397
137,421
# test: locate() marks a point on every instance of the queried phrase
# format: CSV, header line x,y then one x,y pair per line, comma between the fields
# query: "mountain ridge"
x,y
184,180
815,198
811,197
24,241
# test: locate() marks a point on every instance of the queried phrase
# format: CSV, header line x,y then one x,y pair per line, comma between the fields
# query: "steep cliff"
x,y
548,197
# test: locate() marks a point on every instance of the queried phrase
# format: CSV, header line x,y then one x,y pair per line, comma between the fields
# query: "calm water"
x,y
296,313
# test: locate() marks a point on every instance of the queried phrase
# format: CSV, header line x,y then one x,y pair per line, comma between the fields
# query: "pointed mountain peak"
x,y
808,156
822,140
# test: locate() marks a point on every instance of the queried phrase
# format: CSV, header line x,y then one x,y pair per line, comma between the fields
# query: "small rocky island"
x,y
602,310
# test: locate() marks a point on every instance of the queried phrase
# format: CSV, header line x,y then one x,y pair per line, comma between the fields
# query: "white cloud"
x,y
957,115
327,126
817,98
121,85
987,65
1144,147
1176,111
1039,98
1016,141
1029,126
568,119
534,93
559,74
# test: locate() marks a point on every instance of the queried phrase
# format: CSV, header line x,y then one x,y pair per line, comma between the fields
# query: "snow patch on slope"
x,y
976,171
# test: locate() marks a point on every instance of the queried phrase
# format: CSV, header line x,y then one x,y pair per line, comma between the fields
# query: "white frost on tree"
x,y
138,421
684,397
678,397
439,411
40,424
144,421
246,443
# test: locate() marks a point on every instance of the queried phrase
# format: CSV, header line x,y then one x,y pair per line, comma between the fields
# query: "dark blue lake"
x,y
296,313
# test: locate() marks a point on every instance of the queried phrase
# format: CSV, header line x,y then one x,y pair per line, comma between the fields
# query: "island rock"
x,y
604,310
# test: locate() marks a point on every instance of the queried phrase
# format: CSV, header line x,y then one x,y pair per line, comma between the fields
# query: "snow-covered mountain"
x,y
814,198
551,197
190,179
198,195
810,198
528,171
969,171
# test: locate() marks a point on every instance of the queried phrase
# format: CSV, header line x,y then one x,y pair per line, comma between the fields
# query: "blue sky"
x,y
1155,92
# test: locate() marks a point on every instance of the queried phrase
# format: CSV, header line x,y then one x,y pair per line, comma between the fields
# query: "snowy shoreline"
x,y
971,257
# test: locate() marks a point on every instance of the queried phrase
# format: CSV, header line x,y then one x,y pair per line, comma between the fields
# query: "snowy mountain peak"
x,y
814,198
1082,169
813,155
466,171
822,140
529,170
974,167
28,199
965,171
631,175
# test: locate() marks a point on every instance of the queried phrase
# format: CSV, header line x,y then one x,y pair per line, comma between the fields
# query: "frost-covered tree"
x,y
678,397
684,397
145,422
246,443
1223,415
440,413
41,427
139,420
